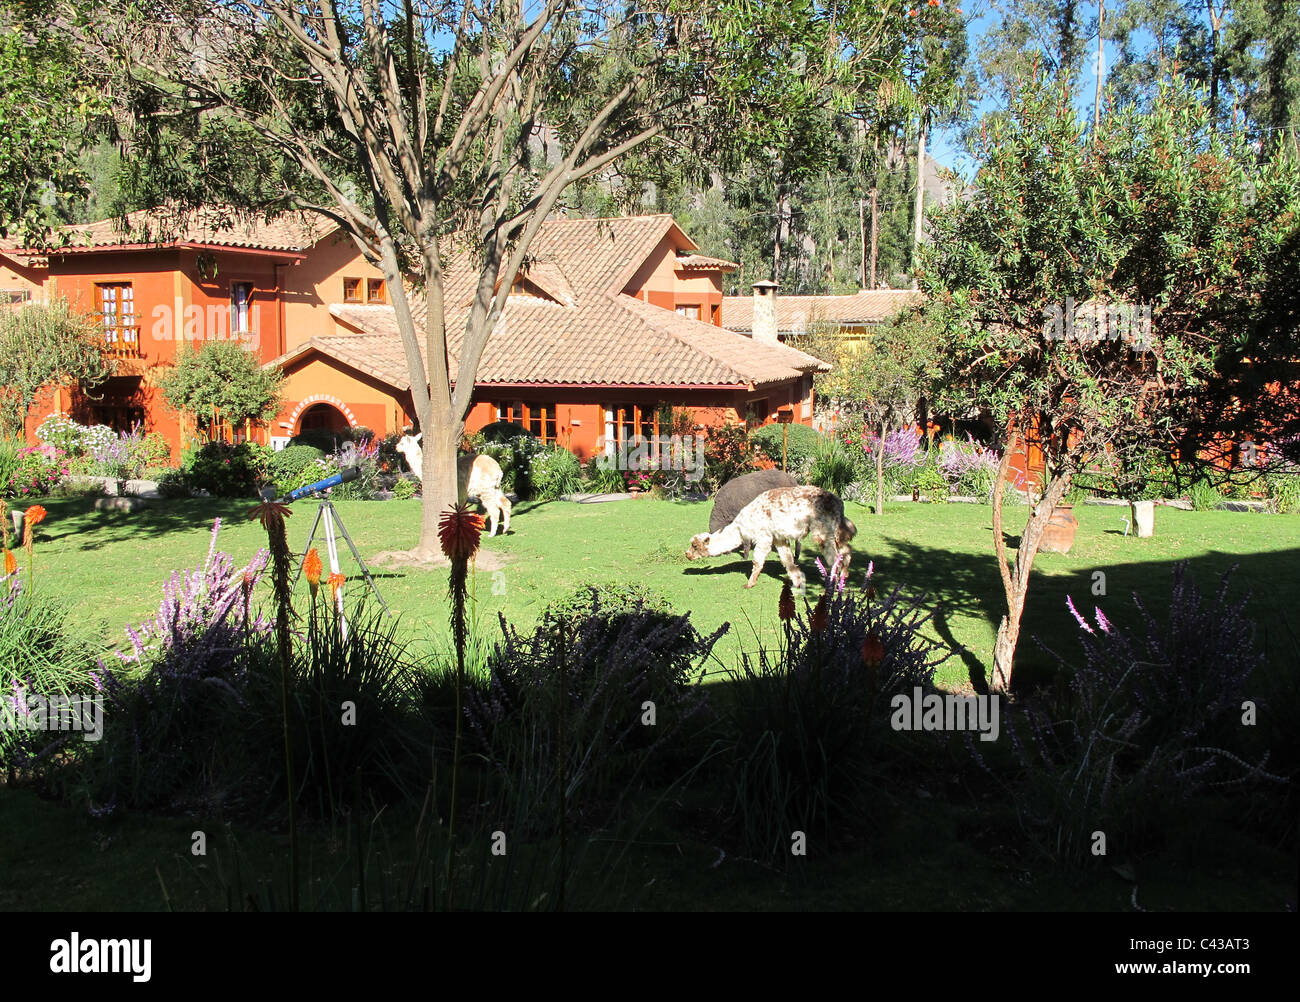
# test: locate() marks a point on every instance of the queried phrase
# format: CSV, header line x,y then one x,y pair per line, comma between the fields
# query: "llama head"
x,y
699,546
409,447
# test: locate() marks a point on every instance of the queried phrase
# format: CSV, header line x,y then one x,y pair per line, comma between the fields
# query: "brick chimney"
x,y
764,328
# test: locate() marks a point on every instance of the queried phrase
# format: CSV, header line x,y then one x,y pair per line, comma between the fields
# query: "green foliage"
x,y
286,467
801,446
931,482
403,489
603,479
555,474
833,469
223,470
728,453
222,375
1205,496
28,472
1143,214
43,344
522,458
41,653
1284,491
46,108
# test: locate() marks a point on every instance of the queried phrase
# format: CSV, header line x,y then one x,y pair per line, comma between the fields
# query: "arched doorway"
x,y
323,417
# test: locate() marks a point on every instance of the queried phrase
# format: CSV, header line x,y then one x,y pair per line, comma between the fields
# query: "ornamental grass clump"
x,y
809,721
603,692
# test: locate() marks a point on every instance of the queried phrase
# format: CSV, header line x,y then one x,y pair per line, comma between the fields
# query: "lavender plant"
x,y
1137,730
168,691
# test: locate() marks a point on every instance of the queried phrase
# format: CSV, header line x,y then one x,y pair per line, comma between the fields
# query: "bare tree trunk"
x,y
880,472
918,214
875,233
862,231
1016,581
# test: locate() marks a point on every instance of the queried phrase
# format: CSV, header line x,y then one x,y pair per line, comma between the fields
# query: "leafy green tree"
x,y
46,113
46,345
1143,224
221,380
414,126
884,378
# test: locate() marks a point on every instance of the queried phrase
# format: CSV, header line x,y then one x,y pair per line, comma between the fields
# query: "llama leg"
x,y
762,547
504,502
791,565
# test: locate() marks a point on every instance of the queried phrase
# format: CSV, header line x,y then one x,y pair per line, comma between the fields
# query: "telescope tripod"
x,y
334,528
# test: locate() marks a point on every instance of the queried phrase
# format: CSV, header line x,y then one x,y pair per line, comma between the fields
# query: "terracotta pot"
x,y
1058,537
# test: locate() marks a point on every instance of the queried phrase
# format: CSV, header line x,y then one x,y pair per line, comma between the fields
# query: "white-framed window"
x,y
241,307
691,311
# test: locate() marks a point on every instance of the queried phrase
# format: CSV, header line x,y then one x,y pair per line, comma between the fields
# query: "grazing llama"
x,y
738,492
478,477
778,519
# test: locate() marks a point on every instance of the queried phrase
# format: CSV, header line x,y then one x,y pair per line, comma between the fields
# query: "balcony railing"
x,y
122,341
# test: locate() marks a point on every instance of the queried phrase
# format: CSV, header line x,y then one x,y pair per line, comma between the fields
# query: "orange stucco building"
x,y
610,321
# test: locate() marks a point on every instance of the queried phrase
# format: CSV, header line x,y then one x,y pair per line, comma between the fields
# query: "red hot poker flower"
x,y
459,531
820,619
873,651
785,605
34,515
336,581
312,568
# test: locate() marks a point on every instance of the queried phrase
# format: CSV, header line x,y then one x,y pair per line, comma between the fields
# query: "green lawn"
x,y
110,566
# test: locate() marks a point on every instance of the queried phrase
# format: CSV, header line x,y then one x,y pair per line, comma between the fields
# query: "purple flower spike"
x,y
1083,623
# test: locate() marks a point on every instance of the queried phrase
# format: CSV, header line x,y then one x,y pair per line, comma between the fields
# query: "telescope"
x,y
320,486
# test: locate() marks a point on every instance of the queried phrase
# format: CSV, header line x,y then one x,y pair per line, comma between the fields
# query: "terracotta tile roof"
x,y
795,313
291,232
702,262
587,332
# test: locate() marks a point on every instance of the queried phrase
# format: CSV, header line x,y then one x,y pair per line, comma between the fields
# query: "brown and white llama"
x,y
777,519
479,476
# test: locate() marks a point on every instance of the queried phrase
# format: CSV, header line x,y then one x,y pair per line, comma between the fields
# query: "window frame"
x,y
356,286
373,299
247,305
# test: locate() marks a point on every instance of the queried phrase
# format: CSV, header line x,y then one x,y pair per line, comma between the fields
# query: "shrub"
x,y
403,489
225,470
555,474
40,653
1130,738
930,482
503,431
968,467
285,467
177,693
31,471
363,455
603,479
728,453
802,443
62,432
809,720
516,455
569,709
1205,496
1283,490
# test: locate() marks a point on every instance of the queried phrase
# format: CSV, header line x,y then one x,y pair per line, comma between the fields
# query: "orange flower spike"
x,y
34,515
336,582
785,605
312,568
820,619
459,531
11,562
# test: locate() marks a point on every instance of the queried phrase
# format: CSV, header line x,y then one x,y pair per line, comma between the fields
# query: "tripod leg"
x,y
338,522
310,536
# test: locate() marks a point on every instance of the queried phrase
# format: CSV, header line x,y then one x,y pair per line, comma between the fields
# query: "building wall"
x,y
314,285
659,283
